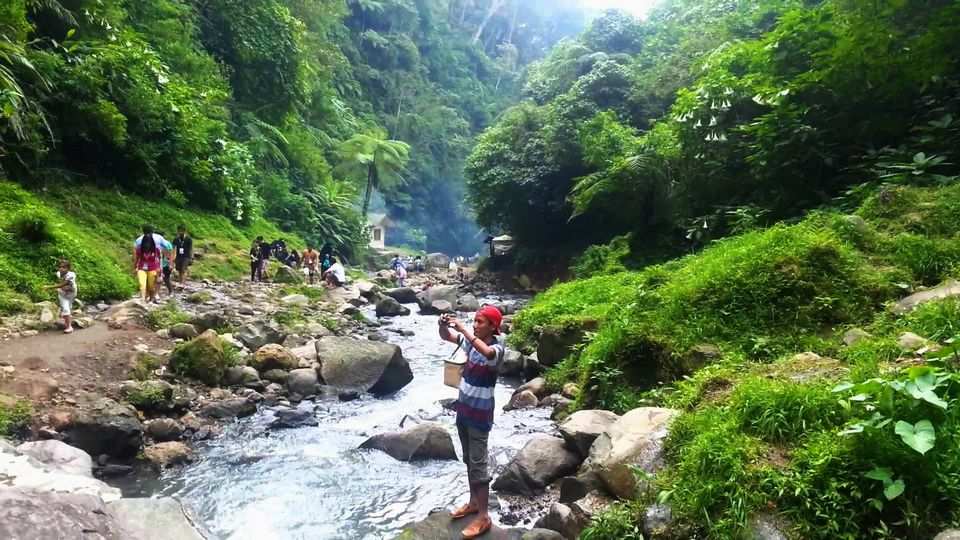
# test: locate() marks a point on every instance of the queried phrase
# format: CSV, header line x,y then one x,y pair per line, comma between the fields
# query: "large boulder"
x,y
555,342
565,520
439,307
295,300
426,298
467,303
285,274
947,289
259,333
273,356
404,295
229,408
33,515
425,441
104,426
202,358
303,382
368,289
293,418
633,441
240,375
436,260
512,364
541,461
155,519
581,428
370,366
389,307
129,313
440,526
211,320
164,429
50,466
525,399
183,331
168,453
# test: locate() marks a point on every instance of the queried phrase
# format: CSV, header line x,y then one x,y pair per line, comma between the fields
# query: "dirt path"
x,y
51,367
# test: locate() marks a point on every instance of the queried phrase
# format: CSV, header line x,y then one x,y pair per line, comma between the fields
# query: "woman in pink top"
x,y
147,265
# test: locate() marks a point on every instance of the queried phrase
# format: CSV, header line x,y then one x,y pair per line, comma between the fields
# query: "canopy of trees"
x,y
712,116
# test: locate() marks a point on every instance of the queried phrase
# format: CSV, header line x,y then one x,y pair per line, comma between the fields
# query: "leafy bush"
x,y
619,522
144,365
166,316
14,416
602,259
782,411
31,226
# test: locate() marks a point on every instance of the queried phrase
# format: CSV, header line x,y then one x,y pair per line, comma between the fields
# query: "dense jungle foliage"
x,y
792,169
246,108
714,116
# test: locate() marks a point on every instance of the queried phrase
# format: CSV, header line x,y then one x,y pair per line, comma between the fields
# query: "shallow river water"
x,y
312,482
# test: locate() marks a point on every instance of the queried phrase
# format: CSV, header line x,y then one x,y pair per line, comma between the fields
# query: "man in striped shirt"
x,y
475,406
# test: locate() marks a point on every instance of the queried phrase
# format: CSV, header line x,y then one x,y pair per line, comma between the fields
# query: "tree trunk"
x,y
495,6
366,195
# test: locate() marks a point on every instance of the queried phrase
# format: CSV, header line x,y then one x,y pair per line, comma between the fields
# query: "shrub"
x,y
781,411
31,226
166,316
144,365
619,522
602,259
14,416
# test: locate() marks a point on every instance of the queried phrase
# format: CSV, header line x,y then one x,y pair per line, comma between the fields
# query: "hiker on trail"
x,y
418,264
146,263
336,275
293,260
311,261
183,253
255,267
475,406
265,249
166,248
66,293
399,269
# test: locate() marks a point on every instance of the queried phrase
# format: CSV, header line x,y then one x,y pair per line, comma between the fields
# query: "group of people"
x,y
155,257
312,262
399,265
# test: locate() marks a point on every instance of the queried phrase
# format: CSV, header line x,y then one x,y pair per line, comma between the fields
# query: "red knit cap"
x,y
493,316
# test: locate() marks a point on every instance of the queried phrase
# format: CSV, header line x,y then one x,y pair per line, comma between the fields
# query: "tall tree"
x,y
375,156
495,6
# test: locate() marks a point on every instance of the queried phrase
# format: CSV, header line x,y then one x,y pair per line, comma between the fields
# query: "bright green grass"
x,y
95,229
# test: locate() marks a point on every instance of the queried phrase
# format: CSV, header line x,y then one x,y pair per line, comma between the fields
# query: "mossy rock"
x,y
148,395
203,358
199,297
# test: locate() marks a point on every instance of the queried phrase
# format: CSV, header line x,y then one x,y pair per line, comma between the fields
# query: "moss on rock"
x,y
203,358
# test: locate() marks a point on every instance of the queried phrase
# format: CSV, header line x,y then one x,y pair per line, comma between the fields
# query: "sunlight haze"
x,y
639,8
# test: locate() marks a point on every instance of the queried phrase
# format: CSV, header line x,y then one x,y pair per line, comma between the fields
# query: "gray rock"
x,y
259,333
155,519
581,428
766,527
555,343
60,456
367,366
390,307
439,526
34,515
274,356
541,461
278,376
295,300
348,395
126,313
437,260
564,520
949,534
538,386
541,534
368,289
947,289
229,408
425,441
854,335
512,364
910,342
467,303
302,381
285,274
50,466
524,399
164,429
183,331
404,295
105,427
211,320
168,453
444,293
657,520
240,375
293,418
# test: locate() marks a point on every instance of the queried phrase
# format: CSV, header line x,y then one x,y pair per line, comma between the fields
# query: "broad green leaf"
x,y
894,489
843,387
919,436
880,473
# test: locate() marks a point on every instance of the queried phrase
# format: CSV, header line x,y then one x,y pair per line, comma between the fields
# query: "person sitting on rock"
x,y
336,275
475,407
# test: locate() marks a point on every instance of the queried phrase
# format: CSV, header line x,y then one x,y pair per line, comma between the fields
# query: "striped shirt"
x,y
475,402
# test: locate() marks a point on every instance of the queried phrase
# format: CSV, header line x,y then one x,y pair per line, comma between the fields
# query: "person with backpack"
x,y
146,262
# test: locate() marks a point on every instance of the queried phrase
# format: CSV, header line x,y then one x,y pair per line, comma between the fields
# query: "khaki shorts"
x,y
474,443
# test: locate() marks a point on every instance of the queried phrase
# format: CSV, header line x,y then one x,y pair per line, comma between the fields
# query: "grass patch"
x,y
313,293
95,229
144,365
166,316
14,416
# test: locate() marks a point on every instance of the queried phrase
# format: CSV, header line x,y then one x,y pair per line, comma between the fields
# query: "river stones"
x,y
541,461
240,375
467,303
104,426
390,307
563,519
202,358
293,418
259,333
635,440
49,466
126,313
404,295
273,356
524,399
228,408
211,320
425,441
183,331
302,381
439,526
512,364
285,274
438,293
32,515
168,453
59,455
164,429
368,366
581,428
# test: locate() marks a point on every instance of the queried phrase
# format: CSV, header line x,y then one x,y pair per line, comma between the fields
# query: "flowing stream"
x,y
312,482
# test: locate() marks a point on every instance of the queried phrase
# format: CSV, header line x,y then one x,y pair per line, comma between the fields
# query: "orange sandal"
x,y
464,511
478,528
